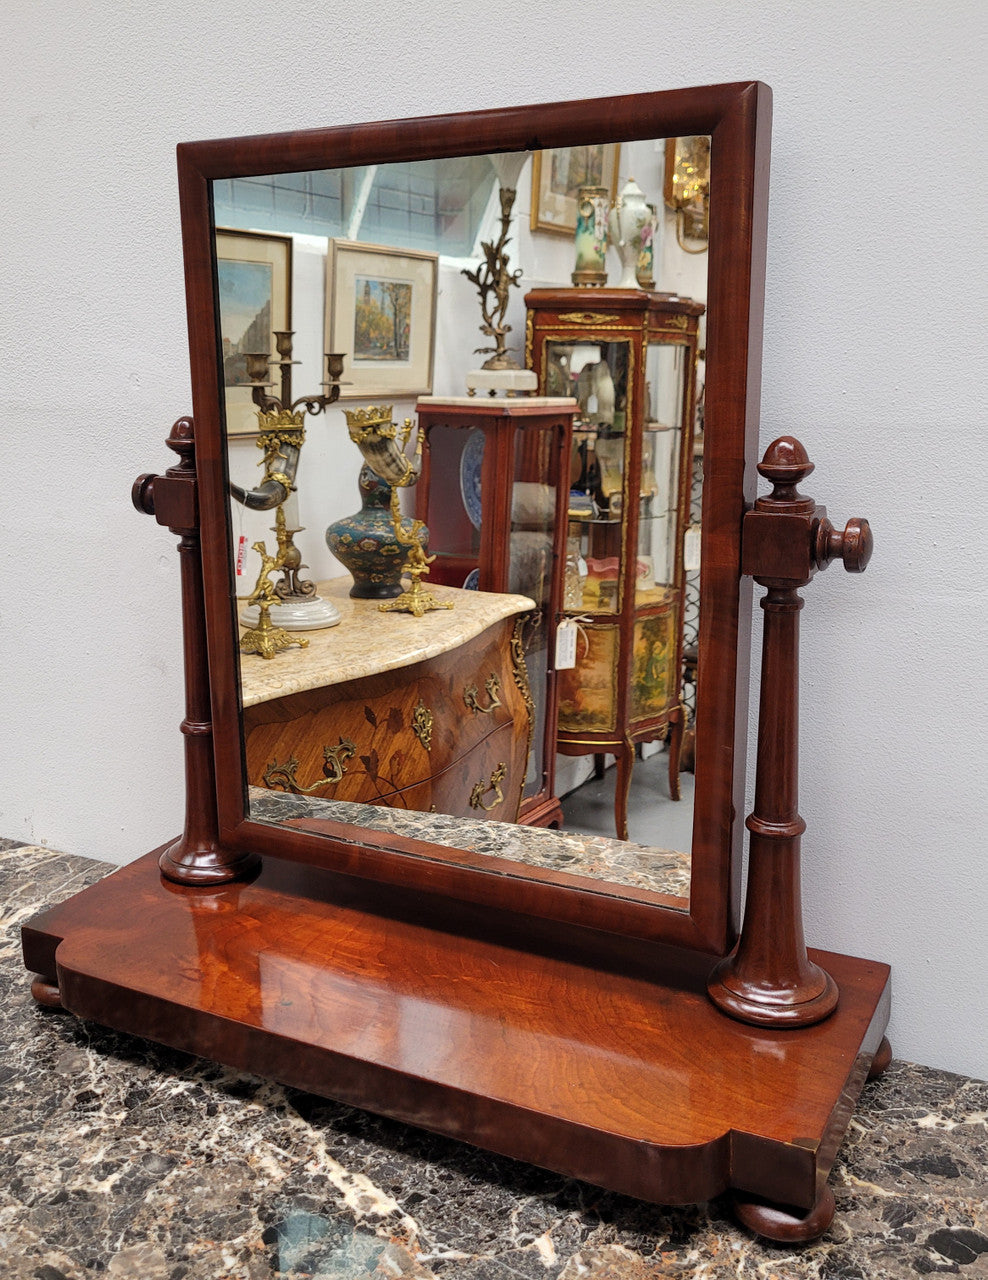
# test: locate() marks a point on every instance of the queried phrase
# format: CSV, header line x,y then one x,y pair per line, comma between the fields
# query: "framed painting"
x,y
381,310
557,177
254,272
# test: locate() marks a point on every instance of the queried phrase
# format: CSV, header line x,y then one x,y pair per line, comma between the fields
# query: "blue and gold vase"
x,y
366,544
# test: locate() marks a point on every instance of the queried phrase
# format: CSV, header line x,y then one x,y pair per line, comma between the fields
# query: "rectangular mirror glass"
x,y
323,737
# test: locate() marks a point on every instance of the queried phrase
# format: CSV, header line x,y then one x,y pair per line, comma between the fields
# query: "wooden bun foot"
x,y
881,1060
784,1225
45,991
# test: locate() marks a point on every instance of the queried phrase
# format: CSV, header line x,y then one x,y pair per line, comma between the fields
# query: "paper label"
x,y
691,549
566,644
241,554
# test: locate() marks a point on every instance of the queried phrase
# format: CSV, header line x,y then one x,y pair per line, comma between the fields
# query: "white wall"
x,y
875,304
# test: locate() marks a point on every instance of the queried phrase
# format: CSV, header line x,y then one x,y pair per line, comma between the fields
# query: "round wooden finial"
x,y
784,465
785,461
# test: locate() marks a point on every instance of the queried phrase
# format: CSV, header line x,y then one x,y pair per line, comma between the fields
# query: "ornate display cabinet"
x,y
495,535
629,358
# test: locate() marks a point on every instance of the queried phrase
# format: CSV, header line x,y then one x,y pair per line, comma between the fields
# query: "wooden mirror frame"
x,y
738,118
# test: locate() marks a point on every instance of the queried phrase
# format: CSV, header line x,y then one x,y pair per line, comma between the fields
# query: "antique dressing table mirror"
x,y
622,1034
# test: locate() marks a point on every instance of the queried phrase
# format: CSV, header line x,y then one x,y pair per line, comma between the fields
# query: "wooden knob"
x,y
854,546
142,494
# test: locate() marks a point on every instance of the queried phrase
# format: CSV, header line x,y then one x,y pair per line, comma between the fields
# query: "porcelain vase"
x,y
591,237
628,216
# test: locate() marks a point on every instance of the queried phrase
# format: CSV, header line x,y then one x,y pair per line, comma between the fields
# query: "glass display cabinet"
x,y
507,537
629,359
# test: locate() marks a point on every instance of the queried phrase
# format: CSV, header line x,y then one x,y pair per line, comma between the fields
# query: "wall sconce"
x,y
687,189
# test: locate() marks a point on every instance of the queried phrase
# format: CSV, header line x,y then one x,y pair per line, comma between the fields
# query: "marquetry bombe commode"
x,y
435,718
651,1044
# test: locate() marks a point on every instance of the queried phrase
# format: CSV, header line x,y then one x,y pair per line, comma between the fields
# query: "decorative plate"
x,y
472,581
471,461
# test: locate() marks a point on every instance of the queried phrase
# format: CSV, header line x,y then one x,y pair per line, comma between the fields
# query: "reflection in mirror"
x,y
435,726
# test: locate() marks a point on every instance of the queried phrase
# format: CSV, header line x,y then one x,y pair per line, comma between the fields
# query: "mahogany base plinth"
x,y
597,1057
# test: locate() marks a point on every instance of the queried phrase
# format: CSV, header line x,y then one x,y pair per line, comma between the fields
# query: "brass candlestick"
x,y
494,281
267,639
416,600
281,423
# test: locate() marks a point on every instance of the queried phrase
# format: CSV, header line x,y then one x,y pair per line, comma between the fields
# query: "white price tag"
x,y
691,549
241,554
566,644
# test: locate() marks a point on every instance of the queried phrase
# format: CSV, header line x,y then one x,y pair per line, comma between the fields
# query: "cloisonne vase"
x,y
366,545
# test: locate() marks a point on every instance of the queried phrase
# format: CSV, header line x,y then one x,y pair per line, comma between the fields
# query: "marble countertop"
x,y
366,641
122,1159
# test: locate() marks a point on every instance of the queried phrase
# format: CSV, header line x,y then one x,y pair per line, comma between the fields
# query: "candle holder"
x,y
265,638
416,600
281,423
494,280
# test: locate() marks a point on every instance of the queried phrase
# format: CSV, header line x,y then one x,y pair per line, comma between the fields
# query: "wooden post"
x,y
197,857
769,980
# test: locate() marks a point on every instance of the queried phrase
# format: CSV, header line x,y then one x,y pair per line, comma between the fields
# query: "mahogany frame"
x,y
738,118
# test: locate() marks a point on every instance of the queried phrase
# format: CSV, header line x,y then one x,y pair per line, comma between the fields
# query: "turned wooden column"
x,y
768,979
197,857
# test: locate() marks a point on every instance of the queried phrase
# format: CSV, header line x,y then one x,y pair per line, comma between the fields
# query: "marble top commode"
x,y
367,641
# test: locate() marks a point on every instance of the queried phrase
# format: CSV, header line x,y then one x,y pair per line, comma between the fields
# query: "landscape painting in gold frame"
x,y
381,310
254,272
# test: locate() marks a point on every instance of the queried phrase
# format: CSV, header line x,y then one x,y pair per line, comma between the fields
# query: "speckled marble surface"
x,y
121,1159
598,858
366,641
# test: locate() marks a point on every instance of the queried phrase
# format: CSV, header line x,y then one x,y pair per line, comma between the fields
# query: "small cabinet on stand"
x,y
493,493
629,359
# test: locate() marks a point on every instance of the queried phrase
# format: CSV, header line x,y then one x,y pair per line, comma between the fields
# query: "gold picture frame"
x,y
381,310
254,271
557,176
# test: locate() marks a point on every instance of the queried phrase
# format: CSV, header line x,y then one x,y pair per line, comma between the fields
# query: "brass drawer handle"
x,y
493,687
334,763
481,789
422,721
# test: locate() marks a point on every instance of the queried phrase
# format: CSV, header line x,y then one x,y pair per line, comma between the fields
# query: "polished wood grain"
x,y
561,1048
738,118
